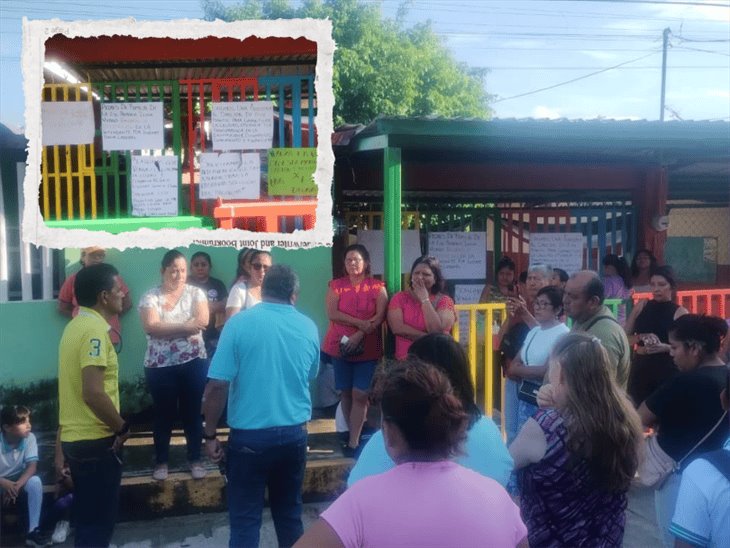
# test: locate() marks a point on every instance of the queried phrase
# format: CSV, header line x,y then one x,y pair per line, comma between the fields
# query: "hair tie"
x,y
595,339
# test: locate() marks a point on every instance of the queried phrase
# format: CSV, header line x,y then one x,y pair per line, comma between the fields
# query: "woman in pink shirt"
x,y
427,500
356,305
423,308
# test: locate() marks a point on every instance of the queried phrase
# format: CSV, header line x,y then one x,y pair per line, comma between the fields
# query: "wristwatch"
x,y
210,437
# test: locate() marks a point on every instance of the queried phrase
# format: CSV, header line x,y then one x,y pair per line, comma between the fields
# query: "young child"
x,y
18,464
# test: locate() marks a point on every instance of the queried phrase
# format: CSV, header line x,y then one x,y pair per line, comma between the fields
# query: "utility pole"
x,y
665,34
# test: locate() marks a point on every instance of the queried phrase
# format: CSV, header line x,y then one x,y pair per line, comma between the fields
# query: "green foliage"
x,y
42,398
380,67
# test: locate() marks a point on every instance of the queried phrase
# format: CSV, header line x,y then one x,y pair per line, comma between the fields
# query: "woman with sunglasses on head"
x,y
483,451
423,308
686,408
174,315
426,499
356,305
576,461
245,294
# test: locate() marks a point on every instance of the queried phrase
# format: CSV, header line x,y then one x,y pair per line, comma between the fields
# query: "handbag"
x,y
657,466
359,349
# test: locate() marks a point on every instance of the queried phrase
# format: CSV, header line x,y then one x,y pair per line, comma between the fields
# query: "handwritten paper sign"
x,y
373,241
559,250
291,171
154,186
467,294
132,126
67,123
231,175
463,255
243,125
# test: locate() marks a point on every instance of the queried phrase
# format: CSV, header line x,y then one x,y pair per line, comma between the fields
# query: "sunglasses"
x,y
259,266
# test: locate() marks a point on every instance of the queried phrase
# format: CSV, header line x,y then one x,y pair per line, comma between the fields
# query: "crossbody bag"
x,y
657,466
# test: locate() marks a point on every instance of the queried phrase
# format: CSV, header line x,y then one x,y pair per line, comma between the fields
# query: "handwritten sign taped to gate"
x,y
132,126
243,125
463,255
558,249
467,294
67,123
291,171
230,175
154,186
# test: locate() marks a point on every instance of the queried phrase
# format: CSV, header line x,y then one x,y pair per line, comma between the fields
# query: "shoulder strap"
x,y
722,418
594,321
527,347
720,459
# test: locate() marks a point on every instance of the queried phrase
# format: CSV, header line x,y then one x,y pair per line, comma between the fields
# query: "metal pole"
x,y
665,42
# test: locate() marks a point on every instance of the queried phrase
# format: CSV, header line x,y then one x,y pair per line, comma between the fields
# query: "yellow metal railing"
x,y
480,348
69,164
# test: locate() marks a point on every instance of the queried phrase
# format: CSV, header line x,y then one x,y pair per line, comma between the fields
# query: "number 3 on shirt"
x,y
95,348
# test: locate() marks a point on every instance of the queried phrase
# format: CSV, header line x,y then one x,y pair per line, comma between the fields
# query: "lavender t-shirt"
x,y
426,504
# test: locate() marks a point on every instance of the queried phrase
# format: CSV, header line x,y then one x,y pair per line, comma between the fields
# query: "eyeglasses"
x,y
260,266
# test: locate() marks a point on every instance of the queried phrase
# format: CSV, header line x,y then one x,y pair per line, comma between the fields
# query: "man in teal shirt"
x,y
265,359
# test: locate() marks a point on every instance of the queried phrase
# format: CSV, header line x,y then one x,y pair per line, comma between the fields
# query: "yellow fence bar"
x,y
493,313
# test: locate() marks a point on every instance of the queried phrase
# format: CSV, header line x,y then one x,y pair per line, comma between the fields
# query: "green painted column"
x,y
392,217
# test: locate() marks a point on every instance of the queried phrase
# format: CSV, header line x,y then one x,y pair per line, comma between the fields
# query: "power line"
x,y
576,79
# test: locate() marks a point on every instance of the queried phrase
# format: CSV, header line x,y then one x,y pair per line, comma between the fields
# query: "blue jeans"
x,y
257,459
97,475
177,389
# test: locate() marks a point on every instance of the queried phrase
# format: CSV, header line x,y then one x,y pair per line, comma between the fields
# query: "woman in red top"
x,y
423,308
356,305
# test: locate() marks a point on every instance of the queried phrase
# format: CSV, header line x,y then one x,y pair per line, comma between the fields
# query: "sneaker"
x,y
61,532
36,538
160,472
198,471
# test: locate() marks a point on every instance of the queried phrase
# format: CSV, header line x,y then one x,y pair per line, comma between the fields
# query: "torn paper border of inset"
x,y
35,34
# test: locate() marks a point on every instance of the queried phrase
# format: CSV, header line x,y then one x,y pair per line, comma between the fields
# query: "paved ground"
x,y
211,530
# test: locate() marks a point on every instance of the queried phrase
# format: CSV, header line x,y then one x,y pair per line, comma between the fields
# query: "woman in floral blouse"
x,y
174,316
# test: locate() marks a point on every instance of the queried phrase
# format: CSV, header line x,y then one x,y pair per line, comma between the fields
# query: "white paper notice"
x,y
132,126
154,186
67,123
243,125
558,249
463,255
467,294
230,175
373,241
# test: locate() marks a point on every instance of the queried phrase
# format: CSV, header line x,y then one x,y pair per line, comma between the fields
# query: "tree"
x,y
380,67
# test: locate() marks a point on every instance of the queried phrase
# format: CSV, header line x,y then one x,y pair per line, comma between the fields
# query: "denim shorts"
x,y
349,375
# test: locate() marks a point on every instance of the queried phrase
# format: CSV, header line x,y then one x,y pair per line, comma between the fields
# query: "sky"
x,y
579,59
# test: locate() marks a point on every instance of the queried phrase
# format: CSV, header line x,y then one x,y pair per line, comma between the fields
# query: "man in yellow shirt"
x,y
92,430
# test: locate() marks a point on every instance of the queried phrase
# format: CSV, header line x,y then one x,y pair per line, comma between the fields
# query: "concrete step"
x,y
145,498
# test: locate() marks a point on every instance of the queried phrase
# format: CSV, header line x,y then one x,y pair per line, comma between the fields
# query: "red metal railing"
x,y
715,302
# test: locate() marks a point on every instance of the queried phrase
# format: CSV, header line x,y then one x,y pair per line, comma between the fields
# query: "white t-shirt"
x,y
13,460
702,513
539,342
240,297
